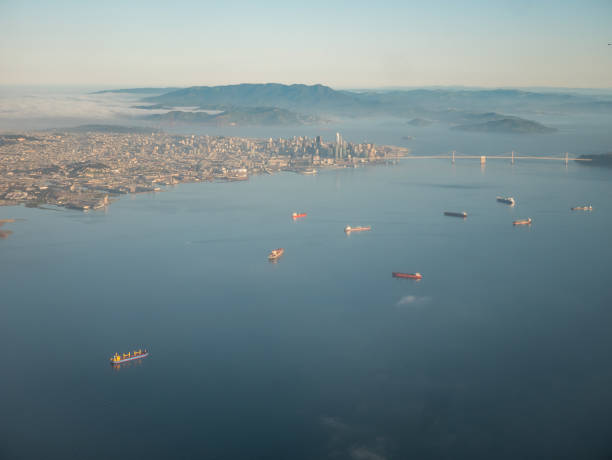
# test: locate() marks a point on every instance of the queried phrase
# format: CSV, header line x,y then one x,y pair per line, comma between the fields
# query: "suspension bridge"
x,y
513,157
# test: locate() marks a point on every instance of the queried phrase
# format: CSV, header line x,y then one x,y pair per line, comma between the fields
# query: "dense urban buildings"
x,y
82,170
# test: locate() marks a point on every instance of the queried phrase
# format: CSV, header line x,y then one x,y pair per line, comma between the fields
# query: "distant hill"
x,y
500,100
414,102
246,116
450,105
403,101
604,159
507,125
294,97
420,122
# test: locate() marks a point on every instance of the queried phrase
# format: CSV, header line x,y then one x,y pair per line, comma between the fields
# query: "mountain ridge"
x,y
241,116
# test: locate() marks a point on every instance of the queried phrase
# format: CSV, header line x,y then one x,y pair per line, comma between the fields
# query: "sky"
x,y
343,44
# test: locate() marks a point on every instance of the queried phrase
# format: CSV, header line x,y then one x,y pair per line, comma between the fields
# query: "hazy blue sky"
x,y
339,43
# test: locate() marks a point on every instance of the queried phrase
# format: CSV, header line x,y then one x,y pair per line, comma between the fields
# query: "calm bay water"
x,y
502,351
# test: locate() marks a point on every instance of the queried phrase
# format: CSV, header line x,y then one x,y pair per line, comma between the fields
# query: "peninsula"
x,y
84,168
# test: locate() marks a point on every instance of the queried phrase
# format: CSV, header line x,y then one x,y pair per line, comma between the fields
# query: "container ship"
x,y
582,208
413,276
522,222
130,356
298,215
455,214
508,200
275,254
349,229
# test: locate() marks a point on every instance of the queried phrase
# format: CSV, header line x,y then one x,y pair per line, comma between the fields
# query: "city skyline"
x,y
343,45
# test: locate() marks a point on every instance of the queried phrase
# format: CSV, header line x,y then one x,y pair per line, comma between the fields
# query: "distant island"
x,y
247,116
508,126
604,159
420,122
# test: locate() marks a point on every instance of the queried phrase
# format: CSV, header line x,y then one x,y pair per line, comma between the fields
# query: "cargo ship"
x,y
508,200
349,229
455,214
522,222
582,208
130,356
275,254
298,215
413,276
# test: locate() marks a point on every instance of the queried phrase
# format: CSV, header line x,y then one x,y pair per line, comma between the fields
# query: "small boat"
x,y
508,200
582,208
413,276
130,356
522,222
275,254
349,229
455,214
298,215
309,171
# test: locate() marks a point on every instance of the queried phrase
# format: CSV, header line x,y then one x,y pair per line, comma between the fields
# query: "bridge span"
x,y
512,157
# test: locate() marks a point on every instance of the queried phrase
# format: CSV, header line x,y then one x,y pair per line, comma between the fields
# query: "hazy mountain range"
x,y
492,110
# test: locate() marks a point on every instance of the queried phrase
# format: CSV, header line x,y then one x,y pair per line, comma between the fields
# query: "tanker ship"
x,y
413,276
130,356
349,229
455,214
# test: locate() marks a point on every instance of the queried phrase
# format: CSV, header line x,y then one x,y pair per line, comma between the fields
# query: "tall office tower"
x,y
338,151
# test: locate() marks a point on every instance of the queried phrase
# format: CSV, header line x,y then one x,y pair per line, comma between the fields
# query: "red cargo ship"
x,y
413,276
298,215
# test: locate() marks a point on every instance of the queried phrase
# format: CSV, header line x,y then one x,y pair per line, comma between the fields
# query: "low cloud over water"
x,y
412,300
40,108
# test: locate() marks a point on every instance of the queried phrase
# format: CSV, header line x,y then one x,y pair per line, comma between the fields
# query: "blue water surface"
x,y
502,351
